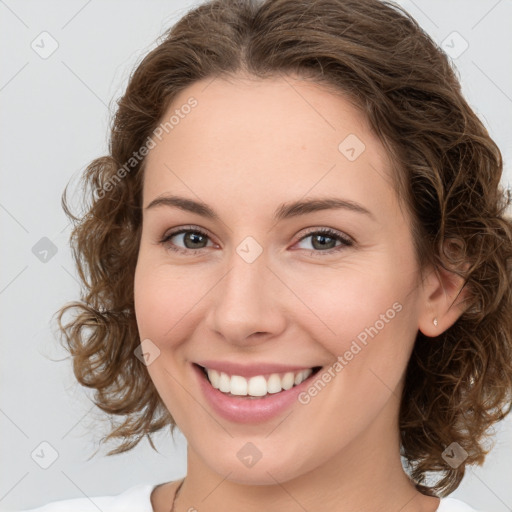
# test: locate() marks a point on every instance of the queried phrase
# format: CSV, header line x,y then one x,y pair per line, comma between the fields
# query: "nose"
x,y
246,305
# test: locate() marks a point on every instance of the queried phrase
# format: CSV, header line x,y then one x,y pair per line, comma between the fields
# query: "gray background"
x,y
55,117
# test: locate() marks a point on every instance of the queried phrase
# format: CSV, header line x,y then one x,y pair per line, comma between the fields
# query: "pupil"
x,y
193,236
323,237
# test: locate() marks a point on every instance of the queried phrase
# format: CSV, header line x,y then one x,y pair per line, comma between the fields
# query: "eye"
x,y
323,239
195,239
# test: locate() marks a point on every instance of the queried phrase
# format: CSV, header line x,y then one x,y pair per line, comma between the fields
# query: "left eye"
x,y
321,239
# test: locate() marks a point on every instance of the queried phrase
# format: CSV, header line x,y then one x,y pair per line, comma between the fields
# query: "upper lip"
x,y
250,370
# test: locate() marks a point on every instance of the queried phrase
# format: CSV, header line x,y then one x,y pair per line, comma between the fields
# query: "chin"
x,y
264,472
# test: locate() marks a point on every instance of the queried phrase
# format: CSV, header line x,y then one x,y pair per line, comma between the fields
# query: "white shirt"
x,y
138,499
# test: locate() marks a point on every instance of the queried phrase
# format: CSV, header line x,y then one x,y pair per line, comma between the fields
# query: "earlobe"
x,y
444,301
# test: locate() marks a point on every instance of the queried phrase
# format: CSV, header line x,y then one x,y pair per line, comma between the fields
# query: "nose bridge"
x,y
245,301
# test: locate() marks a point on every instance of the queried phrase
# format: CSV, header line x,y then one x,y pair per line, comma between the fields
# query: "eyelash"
x,y
327,232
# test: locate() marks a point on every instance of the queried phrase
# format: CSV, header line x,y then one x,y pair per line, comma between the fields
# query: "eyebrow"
x,y
284,211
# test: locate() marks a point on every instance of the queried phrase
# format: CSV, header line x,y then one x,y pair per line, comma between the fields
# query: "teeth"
x,y
257,385
238,385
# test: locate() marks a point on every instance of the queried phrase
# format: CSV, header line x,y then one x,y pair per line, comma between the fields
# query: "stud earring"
x,y
435,321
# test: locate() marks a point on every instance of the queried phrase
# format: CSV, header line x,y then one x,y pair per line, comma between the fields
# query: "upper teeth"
x,y
257,385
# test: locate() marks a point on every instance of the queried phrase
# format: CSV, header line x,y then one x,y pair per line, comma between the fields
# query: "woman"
x,y
296,252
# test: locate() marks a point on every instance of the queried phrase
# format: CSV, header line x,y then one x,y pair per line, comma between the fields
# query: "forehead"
x,y
262,138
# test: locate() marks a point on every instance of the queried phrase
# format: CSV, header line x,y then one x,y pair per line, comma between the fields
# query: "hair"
x,y
447,172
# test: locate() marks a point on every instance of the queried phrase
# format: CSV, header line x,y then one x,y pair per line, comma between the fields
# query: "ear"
x,y
444,298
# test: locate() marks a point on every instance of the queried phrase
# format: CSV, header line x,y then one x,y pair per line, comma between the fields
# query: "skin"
x,y
248,146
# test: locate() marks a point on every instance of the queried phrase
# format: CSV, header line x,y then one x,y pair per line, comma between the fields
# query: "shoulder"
x,y
455,505
137,497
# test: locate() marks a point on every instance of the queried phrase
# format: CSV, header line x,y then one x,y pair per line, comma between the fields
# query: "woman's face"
x,y
256,284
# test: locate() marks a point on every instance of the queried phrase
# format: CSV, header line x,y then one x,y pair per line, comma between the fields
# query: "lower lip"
x,y
249,410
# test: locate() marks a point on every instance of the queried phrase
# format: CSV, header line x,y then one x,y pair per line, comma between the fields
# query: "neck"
x,y
366,475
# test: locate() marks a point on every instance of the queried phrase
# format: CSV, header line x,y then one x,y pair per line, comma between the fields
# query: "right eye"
x,y
191,235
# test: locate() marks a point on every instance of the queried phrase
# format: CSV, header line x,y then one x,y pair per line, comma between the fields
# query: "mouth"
x,y
257,386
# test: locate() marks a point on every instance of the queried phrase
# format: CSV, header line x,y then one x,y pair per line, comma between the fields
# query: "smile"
x,y
257,385
251,393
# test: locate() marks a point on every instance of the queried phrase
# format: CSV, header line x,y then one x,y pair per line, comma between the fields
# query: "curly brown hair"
x,y
448,173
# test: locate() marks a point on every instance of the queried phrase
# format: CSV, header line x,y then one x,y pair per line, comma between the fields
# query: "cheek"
x,y
340,307
161,313
153,301
166,301
365,320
